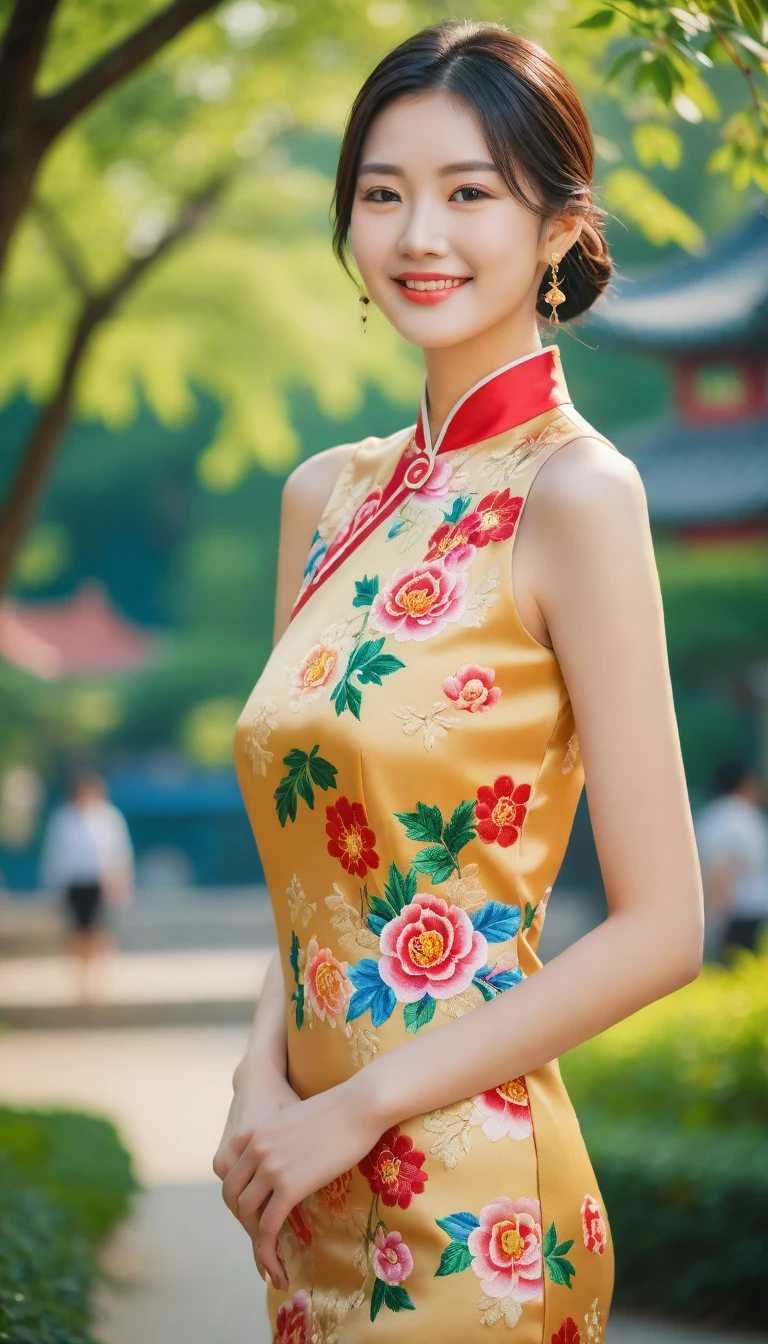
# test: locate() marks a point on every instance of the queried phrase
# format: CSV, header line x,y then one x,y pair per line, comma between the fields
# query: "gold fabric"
x,y
411,769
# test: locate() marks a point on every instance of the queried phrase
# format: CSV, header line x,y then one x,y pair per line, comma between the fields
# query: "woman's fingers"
x,y
275,1212
228,1152
237,1178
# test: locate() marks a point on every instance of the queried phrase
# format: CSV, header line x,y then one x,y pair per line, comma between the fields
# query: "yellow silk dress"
x,y
410,767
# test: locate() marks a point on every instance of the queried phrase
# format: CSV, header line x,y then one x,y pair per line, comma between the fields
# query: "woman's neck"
x,y
452,370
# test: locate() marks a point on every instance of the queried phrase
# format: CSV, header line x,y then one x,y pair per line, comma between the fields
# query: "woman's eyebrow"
x,y
466,166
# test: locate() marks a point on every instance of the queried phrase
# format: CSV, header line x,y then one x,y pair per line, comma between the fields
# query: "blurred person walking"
x,y
732,836
87,855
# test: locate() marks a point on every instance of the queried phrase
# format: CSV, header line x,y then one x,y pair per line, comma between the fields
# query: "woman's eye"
x,y
381,194
476,193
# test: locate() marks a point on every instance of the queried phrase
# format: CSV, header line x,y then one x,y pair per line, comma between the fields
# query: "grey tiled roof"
x,y
703,302
700,473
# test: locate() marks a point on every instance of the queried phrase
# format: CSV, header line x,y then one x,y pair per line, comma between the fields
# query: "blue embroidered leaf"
x,y
376,923
365,591
396,529
400,888
370,992
461,827
417,1014
436,862
459,507
454,1259
458,1225
396,1297
426,823
501,980
496,921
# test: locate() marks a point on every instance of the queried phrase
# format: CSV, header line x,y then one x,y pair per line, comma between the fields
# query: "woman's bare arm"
x,y
598,592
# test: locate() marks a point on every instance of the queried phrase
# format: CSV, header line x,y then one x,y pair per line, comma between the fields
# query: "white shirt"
x,y
85,844
733,828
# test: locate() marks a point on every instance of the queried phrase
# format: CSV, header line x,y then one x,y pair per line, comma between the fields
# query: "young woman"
x,y
479,626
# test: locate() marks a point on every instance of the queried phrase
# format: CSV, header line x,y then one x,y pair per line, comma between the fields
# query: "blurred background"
x,y
175,336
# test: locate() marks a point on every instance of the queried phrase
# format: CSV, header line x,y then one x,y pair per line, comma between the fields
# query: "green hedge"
x,y
673,1105
65,1180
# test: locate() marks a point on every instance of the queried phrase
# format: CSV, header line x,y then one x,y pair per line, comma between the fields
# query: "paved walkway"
x,y
183,1268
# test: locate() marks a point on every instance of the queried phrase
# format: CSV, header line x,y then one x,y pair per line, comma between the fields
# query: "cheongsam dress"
x,y
410,766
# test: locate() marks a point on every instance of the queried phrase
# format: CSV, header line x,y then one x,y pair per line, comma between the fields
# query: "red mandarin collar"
x,y
509,396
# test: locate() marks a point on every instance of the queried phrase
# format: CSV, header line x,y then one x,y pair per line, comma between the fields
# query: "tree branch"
x,y
55,112
62,246
40,449
20,54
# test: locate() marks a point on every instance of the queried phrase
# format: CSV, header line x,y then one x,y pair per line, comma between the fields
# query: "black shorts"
x,y
85,903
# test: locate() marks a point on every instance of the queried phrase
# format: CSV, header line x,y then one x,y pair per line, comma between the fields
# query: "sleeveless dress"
x,y
410,767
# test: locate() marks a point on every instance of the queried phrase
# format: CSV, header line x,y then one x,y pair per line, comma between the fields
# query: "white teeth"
x,y
433,284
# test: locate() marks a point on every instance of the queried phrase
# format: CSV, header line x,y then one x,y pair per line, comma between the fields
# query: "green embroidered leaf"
x,y
426,823
400,888
376,668
347,696
384,909
377,1298
365,591
369,665
563,1248
297,996
461,827
417,1015
297,783
550,1240
436,862
397,1297
456,1257
530,915
560,1270
486,990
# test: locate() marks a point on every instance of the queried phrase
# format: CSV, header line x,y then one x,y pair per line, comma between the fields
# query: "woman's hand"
x,y
261,1092
292,1154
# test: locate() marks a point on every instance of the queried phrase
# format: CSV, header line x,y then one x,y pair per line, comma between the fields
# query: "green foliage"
x,y
304,770
673,1104
715,604
65,1180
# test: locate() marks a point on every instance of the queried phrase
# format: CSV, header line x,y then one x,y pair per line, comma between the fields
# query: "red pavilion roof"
x,y
81,634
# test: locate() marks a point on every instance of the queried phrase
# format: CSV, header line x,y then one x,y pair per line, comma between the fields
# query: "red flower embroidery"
x,y
494,518
297,1221
568,1333
334,1194
393,1168
454,539
351,838
593,1226
500,810
294,1319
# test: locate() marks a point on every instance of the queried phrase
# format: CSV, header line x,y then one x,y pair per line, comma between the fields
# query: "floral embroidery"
x,y
480,598
298,905
438,484
366,662
418,602
560,1270
327,987
472,688
594,1323
298,1224
593,1226
430,946
353,934
351,838
392,1260
444,839
500,810
362,515
495,517
502,464
318,670
571,754
568,1333
297,958
304,770
364,1044
464,889
262,724
294,1319
335,1194
435,723
504,1111
456,541
506,1249
329,1312
393,1168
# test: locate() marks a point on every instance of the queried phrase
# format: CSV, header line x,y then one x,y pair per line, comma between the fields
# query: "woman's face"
x,y
431,208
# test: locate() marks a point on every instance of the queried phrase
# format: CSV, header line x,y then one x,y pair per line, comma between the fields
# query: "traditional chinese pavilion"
x,y
704,463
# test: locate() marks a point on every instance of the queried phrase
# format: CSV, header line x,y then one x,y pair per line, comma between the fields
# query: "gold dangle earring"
x,y
554,295
364,301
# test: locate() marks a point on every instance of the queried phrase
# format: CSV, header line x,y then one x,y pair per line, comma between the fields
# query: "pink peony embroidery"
x,y
326,983
419,601
504,1111
593,1226
392,1260
506,1249
430,948
294,1319
472,688
500,810
438,484
315,670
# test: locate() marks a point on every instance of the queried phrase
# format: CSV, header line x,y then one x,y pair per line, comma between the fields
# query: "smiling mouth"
x,y
427,286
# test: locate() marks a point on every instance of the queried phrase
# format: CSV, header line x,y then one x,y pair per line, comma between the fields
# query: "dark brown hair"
x,y
534,124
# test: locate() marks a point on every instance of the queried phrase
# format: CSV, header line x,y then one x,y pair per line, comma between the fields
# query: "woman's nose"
x,y
423,234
